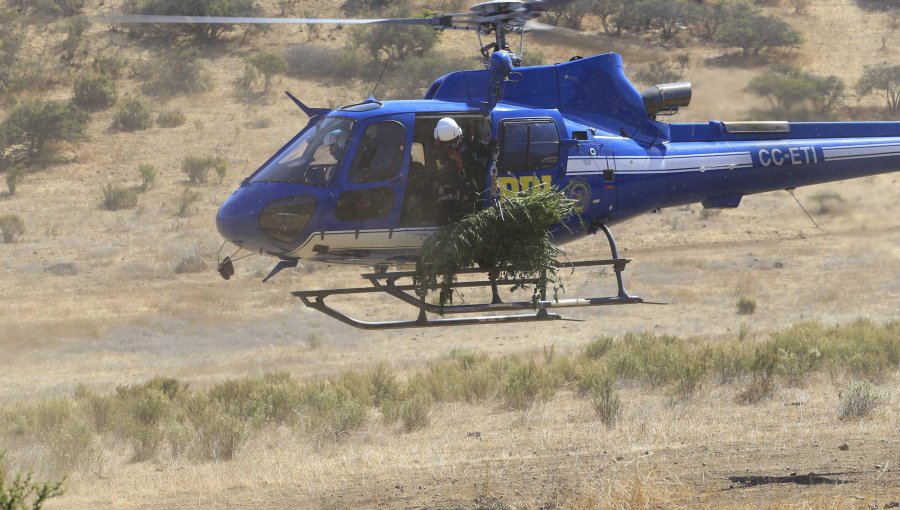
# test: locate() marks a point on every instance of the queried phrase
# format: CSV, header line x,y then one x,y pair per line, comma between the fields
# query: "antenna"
x,y
372,95
791,191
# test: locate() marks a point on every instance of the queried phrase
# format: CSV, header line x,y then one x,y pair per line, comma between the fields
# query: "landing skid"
x,y
385,282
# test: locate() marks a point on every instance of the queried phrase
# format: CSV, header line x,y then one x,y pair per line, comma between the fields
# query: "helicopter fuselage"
x,y
367,184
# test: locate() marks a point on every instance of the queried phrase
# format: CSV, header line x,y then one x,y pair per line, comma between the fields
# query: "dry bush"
x,y
12,227
829,202
177,72
859,399
14,177
415,411
599,385
95,92
330,411
118,196
191,264
133,115
746,306
170,119
186,201
109,65
148,175
197,168
528,383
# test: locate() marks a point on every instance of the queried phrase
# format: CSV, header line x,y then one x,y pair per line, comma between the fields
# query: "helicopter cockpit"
x,y
313,157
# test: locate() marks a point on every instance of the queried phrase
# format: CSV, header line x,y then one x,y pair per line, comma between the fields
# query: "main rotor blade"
x,y
564,36
440,20
590,43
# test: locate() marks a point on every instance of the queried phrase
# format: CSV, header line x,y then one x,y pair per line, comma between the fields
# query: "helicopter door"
x,y
529,154
366,201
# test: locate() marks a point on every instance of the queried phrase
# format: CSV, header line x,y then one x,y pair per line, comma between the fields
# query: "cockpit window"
x,y
380,153
313,158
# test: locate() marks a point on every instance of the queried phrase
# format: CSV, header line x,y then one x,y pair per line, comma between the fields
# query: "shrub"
x,y
35,125
415,411
186,200
882,80
596,348
117,197
828,202
859,399
269,65
75,28
95,92
527,383
170,119
23,493
14,177
109,65
148,175
384,384
746,306
599,385
311,61
133,115
61,428
191,264
197,168
221,167
659,71
329,409
177,72
711,15
12,227
270,398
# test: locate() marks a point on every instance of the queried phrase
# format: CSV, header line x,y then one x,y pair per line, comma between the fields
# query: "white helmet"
x,y
447,130
338,136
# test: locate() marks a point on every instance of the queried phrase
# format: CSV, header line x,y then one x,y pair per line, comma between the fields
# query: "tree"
x,y
882,80
205,32
711,16
571,15
268,64
397,42
11,39
35,125
790,90
753,32
667,16
607,11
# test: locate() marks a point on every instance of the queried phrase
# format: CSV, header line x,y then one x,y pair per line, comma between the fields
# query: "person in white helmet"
x,y
456,188
336,141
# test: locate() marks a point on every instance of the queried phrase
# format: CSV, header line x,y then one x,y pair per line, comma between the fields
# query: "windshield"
x,y
313,158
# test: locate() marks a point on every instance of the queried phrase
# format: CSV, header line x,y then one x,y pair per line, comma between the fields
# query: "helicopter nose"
x,y
238,222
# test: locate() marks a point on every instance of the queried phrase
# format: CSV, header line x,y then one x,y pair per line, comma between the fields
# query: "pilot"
x,y
336,141
456,188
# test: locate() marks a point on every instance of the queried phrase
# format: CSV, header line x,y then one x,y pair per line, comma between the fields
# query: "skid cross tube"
x,y
385,282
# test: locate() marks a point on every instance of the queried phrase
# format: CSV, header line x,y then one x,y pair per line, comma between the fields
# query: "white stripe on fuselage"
x,y
370,239
845,152
659,164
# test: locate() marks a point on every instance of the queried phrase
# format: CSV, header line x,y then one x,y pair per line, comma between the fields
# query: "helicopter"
x,y
357,186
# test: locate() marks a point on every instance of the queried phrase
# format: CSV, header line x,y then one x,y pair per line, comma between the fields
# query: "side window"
x,y
528,145
380,153
364,204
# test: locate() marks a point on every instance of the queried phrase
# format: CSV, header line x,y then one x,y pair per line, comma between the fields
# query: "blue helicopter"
x,y
361,184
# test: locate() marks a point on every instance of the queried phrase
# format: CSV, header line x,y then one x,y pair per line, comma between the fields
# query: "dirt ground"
x,y
91,297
